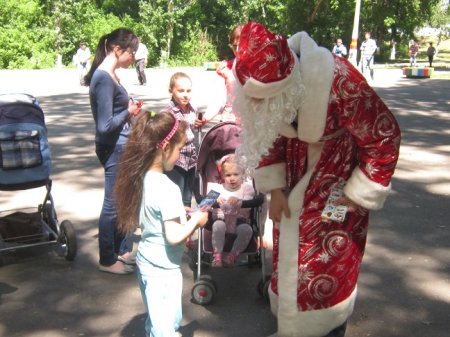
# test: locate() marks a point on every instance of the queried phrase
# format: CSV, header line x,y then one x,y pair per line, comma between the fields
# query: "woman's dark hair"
x,y
150,129
122,37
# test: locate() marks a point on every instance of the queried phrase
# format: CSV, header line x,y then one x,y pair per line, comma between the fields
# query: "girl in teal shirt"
x,y
146,196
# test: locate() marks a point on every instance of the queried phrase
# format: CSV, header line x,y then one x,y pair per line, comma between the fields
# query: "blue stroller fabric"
x,y
24,150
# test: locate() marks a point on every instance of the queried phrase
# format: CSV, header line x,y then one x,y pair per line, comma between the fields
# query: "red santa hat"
x,y
268,90
264,62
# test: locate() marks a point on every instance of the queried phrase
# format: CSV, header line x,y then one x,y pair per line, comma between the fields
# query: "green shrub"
x,y
194,51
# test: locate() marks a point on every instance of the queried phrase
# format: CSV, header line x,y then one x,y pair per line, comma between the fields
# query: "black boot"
x,y
338,332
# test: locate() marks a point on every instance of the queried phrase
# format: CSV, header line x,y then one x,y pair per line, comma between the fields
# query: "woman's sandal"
x,y
128,258
118,268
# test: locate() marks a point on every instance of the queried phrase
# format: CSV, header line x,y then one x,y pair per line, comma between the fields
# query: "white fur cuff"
x,y
270,177
366,192
313,323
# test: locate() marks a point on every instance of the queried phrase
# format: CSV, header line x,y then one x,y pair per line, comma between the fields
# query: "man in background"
x,y
82,60
368,49
141,61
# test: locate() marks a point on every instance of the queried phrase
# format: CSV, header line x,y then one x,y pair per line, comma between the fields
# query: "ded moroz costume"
x,y
310,121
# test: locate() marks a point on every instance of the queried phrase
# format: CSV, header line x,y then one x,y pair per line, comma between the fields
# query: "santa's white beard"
x,y
262,119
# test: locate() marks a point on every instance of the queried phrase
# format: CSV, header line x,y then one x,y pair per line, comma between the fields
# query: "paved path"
x,y
404,286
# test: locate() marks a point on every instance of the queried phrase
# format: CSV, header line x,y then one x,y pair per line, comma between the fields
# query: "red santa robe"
x,y
344,132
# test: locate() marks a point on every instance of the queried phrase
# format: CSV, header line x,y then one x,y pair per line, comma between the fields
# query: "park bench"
x,y
418,72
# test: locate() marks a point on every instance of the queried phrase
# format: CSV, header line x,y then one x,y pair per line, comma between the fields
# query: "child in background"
x,y
223,104
230,217
184,172
413,51
145,196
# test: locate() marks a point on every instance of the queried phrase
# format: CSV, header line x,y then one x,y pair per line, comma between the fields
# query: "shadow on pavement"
x,y
404,285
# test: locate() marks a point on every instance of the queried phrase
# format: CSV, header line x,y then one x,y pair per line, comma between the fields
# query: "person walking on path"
x,y
368,49
339,49
140,62
431,51
112,110
82,59
413,51
311,123
146,196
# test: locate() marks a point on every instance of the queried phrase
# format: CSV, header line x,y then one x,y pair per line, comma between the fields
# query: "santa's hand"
x,y
278,205
351,205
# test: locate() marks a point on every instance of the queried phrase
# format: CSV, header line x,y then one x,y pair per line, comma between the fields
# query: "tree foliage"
x,y
190,32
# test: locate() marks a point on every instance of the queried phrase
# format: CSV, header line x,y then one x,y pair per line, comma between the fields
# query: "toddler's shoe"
x,y
230,259
217,260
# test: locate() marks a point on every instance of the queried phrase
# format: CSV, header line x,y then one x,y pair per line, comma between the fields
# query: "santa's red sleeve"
x,y
377,136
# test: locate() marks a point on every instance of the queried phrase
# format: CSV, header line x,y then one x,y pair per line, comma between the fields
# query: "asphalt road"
x,y
404,286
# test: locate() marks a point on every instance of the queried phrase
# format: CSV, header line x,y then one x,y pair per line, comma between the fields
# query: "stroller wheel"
x,y
209,279
67,240
203,292
253,260
263,287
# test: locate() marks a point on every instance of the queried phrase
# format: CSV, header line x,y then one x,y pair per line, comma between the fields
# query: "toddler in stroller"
x,y
230,217
235,220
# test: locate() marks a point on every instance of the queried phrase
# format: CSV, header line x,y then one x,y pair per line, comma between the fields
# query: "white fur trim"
x,y
288,260
270,177
291,321
365,192
256,89
288,131
315,323
316,70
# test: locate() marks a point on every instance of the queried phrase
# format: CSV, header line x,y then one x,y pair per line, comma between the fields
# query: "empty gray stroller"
x,y
25,163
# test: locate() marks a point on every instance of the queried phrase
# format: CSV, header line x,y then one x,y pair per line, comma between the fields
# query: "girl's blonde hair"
x,y
175,77
229,159
149,131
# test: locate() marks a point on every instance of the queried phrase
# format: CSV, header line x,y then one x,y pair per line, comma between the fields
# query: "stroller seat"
x,y
252,247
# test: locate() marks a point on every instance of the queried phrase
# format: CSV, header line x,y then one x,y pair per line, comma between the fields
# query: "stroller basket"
x,y
21,228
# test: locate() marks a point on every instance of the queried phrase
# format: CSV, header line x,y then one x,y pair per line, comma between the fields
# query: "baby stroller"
x,y
220,140
25,163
